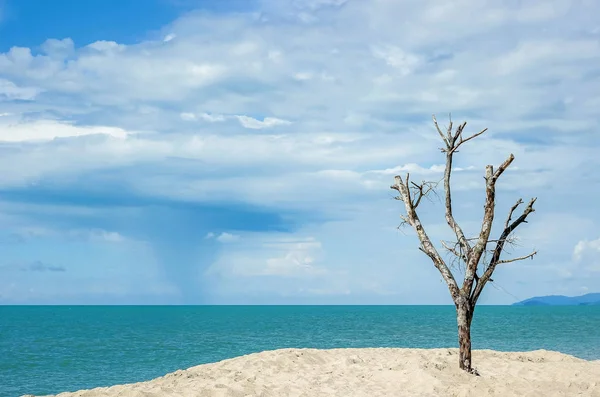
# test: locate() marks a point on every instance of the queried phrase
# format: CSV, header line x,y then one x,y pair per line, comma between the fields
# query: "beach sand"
x,y
373,372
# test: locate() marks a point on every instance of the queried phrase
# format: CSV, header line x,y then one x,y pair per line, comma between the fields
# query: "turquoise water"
x,y
49,349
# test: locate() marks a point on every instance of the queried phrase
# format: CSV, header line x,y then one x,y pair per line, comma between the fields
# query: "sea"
x,y
51,349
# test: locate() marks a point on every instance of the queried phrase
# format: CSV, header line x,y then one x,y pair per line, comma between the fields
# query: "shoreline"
x,y
371,372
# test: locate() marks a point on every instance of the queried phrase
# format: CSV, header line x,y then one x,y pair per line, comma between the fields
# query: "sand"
x,y
373,372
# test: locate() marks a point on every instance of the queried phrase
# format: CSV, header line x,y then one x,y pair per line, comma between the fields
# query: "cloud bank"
x,y
277,130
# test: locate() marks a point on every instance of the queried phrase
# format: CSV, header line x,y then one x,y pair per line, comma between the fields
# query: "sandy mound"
x,y
373,372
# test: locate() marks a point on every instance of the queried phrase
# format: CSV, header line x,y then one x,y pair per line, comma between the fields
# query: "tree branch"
x,y
512,209
452,250
416,191
520,258
422,190
457,145
457,252
460,236
500,247
453,141
486,226
444,138
426,245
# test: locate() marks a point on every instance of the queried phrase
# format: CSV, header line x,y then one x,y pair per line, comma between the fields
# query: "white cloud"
x,y
255,124
413,169
316,4
187,116
223,237
587,254
271,256
106,236
530,54
169,37
395,57
107,46
10,91
303,76
92,235
44,130
212,118
227,238
297,259
58,49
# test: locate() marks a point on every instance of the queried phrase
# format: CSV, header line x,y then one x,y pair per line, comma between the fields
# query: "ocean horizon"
x,y
50,349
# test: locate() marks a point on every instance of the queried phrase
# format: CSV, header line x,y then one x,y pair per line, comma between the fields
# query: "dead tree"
x,y
468,251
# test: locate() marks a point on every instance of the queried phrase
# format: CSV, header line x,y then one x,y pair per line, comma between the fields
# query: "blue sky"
x,y
187,151
28,23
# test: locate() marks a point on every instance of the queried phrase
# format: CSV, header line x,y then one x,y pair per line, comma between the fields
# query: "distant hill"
x,y
560,300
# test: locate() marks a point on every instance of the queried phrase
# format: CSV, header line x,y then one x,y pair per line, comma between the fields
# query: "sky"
x,y
242,152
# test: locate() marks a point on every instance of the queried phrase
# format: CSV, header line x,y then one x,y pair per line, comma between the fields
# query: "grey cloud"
x,y
39,266
34,266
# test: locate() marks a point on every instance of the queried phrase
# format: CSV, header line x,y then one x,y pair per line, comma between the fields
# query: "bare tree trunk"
x,y
464,316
